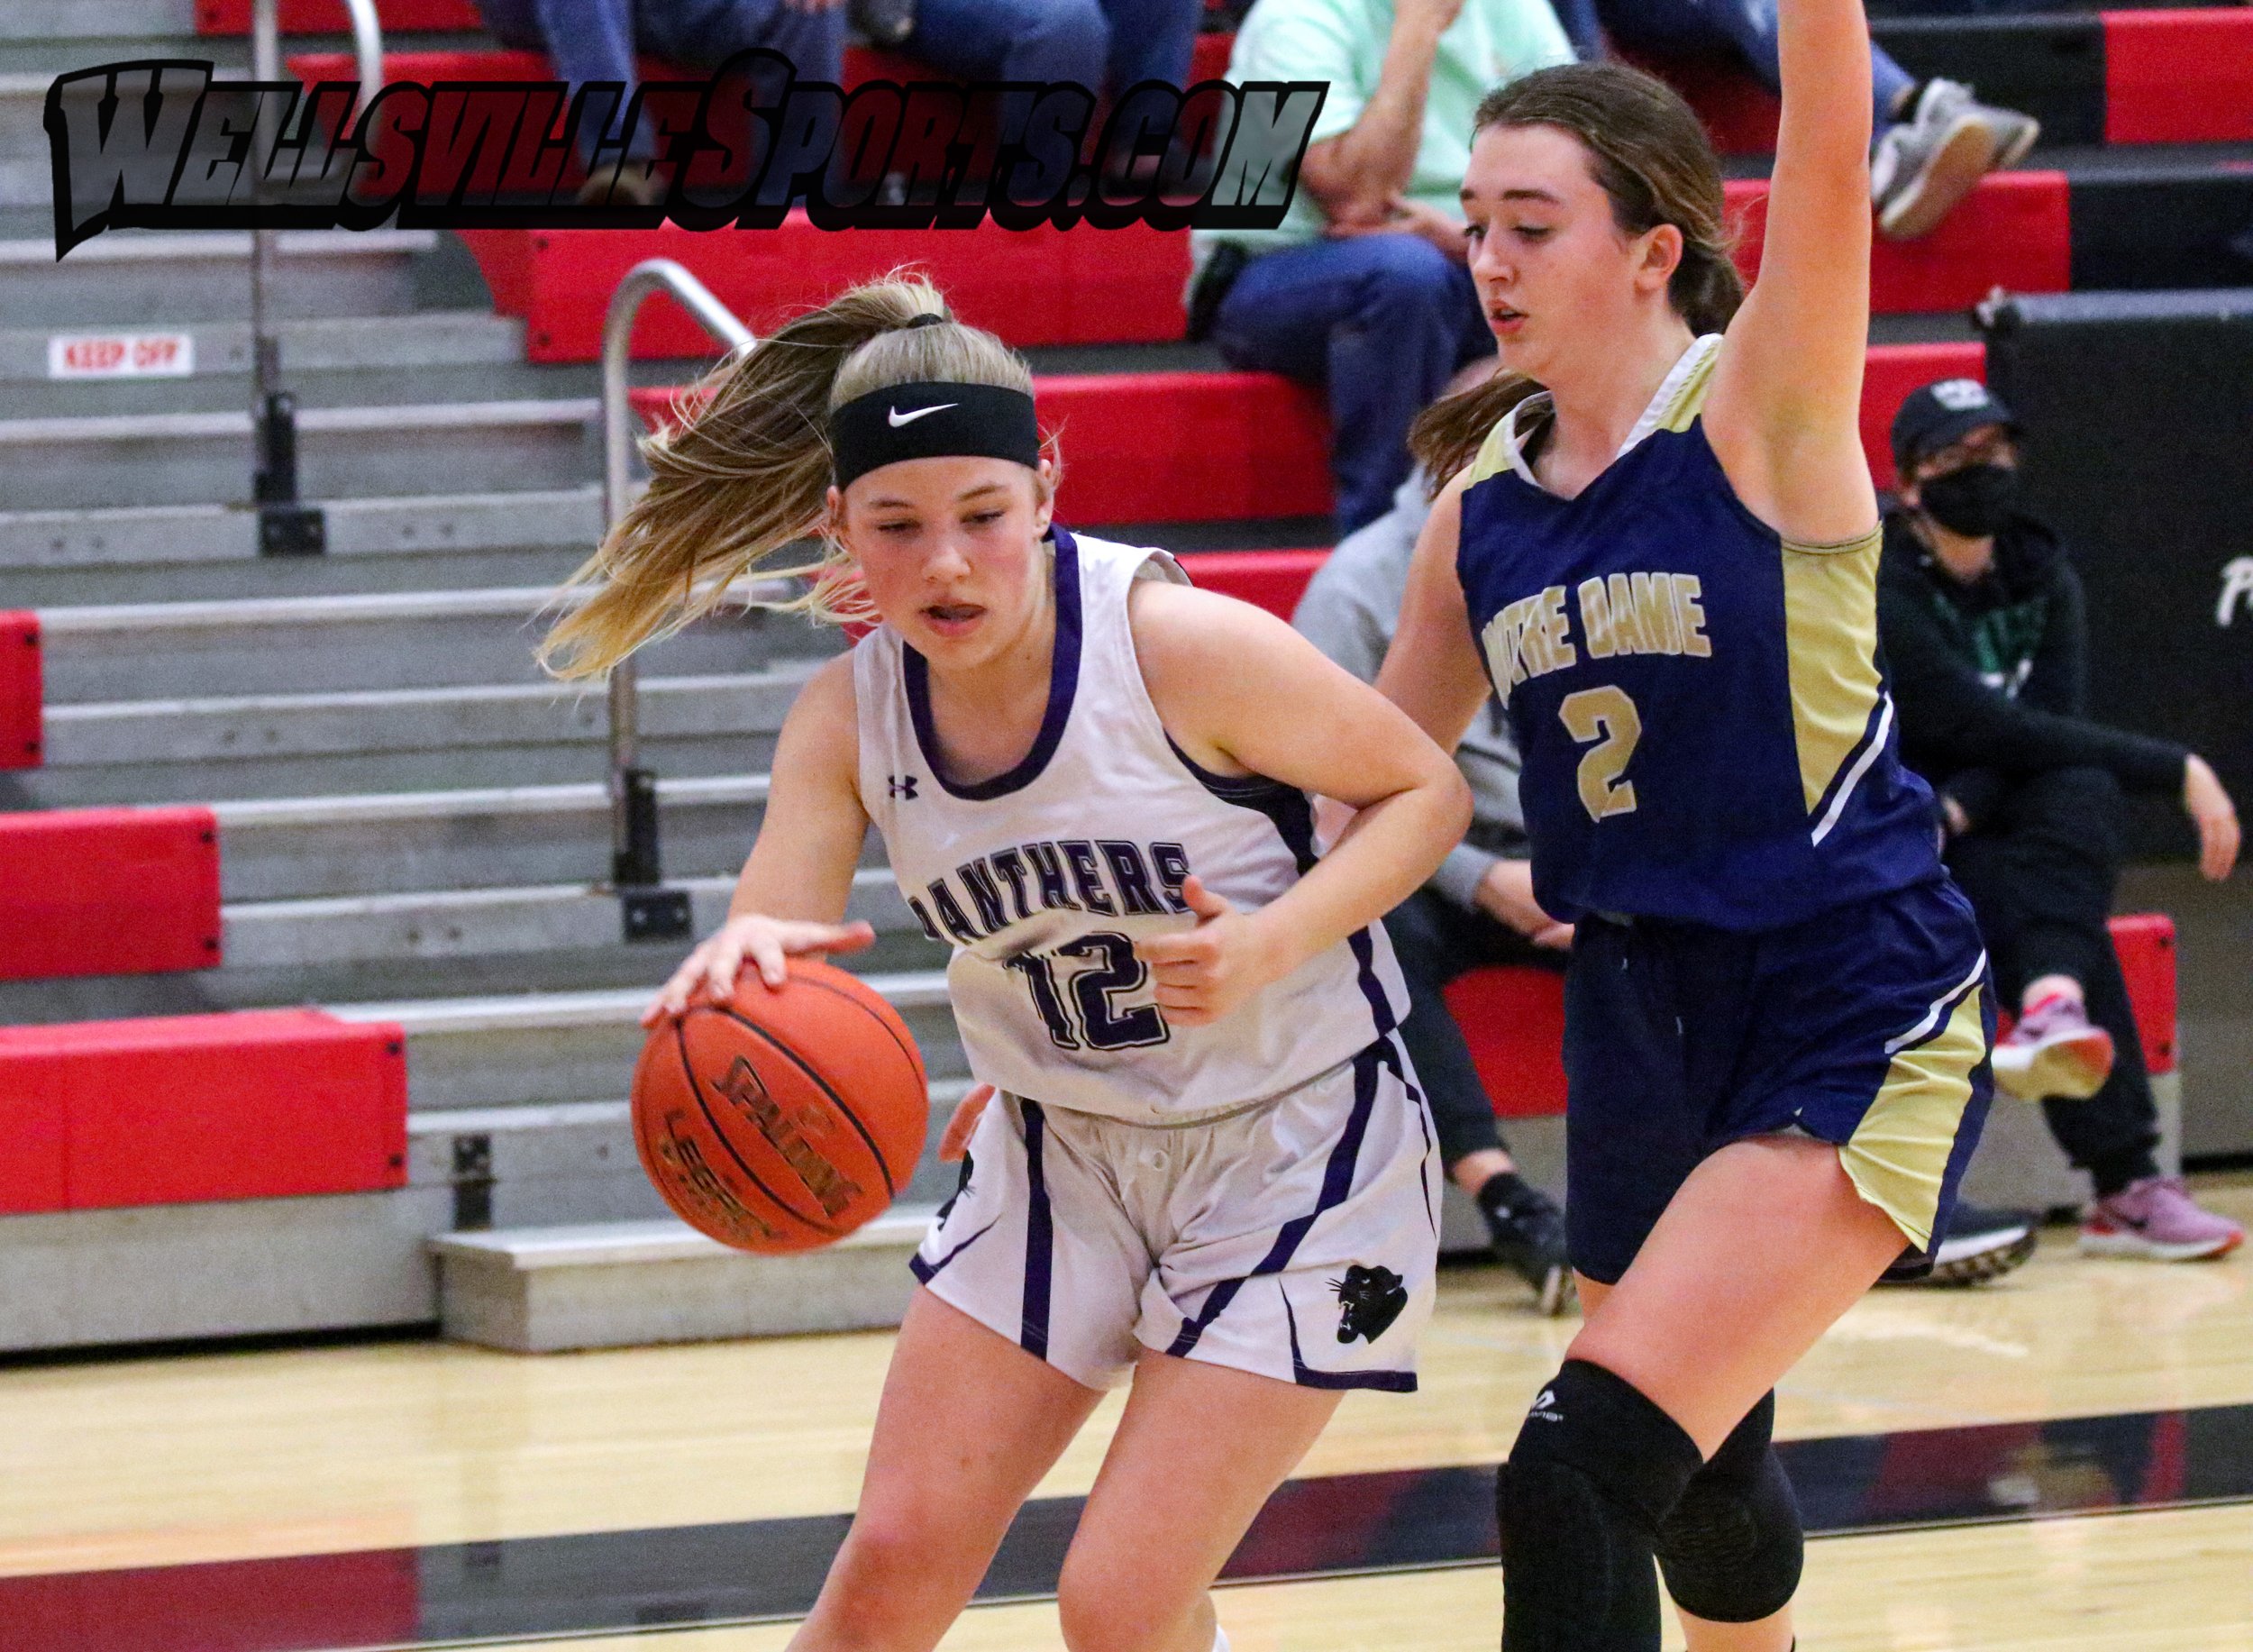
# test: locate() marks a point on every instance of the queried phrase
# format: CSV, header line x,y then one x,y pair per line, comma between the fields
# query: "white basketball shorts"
x,y
1296,1239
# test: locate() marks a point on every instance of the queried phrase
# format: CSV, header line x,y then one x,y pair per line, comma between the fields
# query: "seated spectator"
x,y
601,40
1364,288
1101,44
1935,141
1981,618
1478,908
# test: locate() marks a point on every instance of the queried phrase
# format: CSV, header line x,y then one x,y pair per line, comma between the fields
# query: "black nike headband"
x,y
932,420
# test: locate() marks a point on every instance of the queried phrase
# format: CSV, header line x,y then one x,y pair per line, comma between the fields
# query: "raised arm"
x,y
1784,411
790,900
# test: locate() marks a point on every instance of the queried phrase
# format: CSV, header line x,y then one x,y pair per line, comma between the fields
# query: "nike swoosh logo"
x,y
896,418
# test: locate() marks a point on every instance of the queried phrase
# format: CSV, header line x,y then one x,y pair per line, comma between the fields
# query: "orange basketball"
x,y
778,1121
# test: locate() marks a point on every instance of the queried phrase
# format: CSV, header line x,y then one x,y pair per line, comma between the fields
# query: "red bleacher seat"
x,y
108,891
1223,447
23,697
2179,77
265,1104
1513,1018
331,17
1270,579
2014,231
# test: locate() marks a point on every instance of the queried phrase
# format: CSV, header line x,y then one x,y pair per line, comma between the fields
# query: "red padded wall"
x,y
1513,1019
1270,579
2178,77
108,891
265,1104
2013,230
22,694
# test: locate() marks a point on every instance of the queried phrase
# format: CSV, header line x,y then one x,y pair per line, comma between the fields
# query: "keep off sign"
x,y
121,355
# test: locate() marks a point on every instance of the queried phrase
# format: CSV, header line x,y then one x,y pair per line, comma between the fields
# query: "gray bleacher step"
x,y
545,1290
575,1162
160,281
376,450
496,837
537,1048
38,20
401,739
439,924
209,552
221,350
373,640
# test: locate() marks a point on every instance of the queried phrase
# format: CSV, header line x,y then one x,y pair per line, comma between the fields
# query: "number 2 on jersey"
x,y
1608,717
1083,1012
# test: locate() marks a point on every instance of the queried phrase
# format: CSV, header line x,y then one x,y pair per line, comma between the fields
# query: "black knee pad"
x,y
1594,1470
1732,1546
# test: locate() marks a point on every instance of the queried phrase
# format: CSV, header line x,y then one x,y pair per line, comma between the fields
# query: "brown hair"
x,y
1653,159
745,472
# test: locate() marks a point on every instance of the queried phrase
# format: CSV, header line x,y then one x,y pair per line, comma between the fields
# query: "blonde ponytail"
x,y
745,473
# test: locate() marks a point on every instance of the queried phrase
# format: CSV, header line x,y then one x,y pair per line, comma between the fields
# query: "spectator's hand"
x,y
1505,896
1953,815
1203,974
765,942
1404,216
2214,815
954,1141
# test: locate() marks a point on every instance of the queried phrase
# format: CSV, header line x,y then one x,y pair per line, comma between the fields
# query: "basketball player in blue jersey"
x,y
1207,1169
1663,557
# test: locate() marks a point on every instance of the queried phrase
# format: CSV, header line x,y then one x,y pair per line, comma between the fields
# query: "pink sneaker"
x,y
2053,1050
2157,1219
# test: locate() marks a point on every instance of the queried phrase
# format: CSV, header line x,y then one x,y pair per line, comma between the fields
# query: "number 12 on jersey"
x,y
1081,1011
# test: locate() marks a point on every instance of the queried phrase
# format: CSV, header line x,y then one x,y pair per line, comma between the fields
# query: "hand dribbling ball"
x,y
780,1120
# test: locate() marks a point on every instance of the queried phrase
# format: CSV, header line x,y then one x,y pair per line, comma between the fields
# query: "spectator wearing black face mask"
x,y
1982,619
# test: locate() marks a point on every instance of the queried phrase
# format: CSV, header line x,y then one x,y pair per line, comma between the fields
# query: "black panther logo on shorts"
x,y
1369,1299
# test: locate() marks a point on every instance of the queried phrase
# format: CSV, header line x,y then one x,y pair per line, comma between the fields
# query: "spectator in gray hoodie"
x,y
1477,909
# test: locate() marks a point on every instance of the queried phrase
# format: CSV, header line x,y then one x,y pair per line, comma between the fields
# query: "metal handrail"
x,y
283,523
634,859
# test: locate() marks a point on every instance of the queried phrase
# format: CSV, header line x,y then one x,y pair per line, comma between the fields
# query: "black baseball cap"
x,y
1936,415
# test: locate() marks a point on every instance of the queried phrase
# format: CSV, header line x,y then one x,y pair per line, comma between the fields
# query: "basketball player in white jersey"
x,y
1207,1169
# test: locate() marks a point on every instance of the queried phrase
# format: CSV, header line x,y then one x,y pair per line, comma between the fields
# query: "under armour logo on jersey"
x,y
902,786
896,418
1371,1299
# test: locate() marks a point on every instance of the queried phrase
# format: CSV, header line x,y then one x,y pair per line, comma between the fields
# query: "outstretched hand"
x,y
1203,974
766,943
2207,803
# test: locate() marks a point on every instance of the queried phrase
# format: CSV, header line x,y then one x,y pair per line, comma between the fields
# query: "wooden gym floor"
x,y
2057,1462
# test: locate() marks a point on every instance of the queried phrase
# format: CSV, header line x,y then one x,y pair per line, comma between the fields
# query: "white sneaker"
x,y
1925,164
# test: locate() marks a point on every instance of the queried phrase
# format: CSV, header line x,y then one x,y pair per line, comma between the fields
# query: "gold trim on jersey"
x,y
1898,1155
1830,647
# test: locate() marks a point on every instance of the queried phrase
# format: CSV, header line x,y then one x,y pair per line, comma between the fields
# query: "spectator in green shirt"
x,y
1364,288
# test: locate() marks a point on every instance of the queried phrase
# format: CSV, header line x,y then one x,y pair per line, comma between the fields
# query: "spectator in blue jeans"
x,y
1934,140
599,39
1364,288
1096,43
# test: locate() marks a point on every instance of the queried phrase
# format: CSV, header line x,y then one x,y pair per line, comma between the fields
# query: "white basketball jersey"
x,y
1042,878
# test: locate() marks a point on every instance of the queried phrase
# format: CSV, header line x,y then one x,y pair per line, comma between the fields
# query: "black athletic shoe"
x,y
1527,1231
1980,1245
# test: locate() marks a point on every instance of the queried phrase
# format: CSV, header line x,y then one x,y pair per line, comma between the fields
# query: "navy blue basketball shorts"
x,y
1869,1027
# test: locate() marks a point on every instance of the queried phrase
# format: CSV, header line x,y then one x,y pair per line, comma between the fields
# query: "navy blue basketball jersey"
x,y
1706,731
